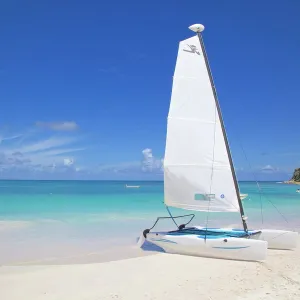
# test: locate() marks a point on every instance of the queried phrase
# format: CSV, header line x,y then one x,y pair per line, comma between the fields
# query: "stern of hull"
x,y
279,239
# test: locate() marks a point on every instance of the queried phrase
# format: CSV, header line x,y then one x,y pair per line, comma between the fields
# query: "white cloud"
x,y
68,161
45,155
269,168
37,153
162,164
150,163
58,126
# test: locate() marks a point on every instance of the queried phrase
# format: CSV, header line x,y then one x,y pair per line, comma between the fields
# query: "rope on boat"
x,y
262,193
172,216
256,181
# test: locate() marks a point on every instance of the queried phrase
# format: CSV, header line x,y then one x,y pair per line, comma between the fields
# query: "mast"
x,y
198,28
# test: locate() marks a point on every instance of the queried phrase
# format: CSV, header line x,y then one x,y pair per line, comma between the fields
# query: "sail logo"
x,y
204,197
222,196
193,49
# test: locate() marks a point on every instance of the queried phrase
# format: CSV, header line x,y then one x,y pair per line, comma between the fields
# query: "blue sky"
x,y
85,85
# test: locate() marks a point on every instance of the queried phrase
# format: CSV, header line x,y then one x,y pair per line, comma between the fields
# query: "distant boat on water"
x,y
132,186
243,196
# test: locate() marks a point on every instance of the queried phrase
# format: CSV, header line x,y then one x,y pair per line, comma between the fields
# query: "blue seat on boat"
x,y
213,233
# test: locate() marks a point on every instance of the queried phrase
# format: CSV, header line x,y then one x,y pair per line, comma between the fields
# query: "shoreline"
x,y
43,247
105,256
291,182
158,277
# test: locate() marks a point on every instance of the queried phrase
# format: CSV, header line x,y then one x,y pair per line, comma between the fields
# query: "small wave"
x,y
114,217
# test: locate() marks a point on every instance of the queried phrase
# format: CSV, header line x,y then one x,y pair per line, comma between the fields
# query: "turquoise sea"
x,y
44,219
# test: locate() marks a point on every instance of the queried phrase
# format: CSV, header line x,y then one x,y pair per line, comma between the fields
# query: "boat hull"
x,y
277,239
215,247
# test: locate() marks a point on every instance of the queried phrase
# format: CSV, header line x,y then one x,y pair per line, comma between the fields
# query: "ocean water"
x,y
42,220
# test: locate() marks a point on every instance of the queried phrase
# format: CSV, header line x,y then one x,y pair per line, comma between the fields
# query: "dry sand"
x,y
158,276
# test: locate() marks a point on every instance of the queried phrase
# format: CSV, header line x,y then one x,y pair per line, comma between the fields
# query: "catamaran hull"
x,y
277,239
225,248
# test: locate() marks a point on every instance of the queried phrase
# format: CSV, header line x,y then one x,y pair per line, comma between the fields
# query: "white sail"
x,y
197,172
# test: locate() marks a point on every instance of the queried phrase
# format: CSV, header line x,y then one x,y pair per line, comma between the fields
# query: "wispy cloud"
x,y
7,138
39,151
45,144
269,168
40,154
58,126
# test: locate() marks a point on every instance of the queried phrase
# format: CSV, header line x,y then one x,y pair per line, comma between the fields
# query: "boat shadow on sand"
x,y
148,246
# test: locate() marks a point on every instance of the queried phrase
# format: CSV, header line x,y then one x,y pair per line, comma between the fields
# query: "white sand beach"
x,y
157,276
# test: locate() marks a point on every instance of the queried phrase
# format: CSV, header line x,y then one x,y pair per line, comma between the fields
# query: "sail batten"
x,y
196,160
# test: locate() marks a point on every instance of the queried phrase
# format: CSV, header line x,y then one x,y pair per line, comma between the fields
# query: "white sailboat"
x,y
198,170
132,186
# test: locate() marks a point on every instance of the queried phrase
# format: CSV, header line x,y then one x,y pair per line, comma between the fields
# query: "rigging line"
x,y
256,181
242,213
172,216
261,191
283,216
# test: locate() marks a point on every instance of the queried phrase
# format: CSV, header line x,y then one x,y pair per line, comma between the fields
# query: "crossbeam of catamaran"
x,y
199,173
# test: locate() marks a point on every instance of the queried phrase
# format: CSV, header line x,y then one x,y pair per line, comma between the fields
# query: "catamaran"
x,y
199,173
